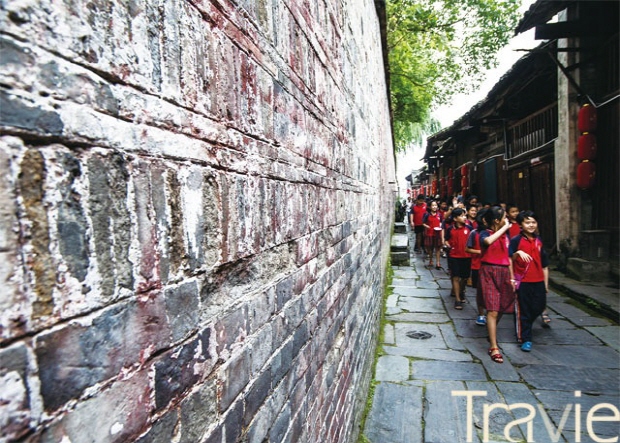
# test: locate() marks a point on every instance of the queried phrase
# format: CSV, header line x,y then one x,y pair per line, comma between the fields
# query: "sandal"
x,y
546,320
496,356
437,267
458,305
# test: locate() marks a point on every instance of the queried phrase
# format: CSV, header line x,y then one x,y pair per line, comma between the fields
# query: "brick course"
x,y
195,219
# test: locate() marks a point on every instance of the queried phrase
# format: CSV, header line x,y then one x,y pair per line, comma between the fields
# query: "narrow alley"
x,y
434,381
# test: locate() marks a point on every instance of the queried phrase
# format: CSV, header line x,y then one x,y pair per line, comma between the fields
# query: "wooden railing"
x,y
533,131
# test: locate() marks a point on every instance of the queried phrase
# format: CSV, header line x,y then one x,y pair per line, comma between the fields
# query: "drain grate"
x,y
419,335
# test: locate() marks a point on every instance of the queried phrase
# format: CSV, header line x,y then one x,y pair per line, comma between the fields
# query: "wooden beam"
x,y
579,28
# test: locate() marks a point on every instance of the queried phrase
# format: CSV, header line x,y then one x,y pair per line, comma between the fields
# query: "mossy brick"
x,y
31,117
281,425
231,328
77,356
256,395
281,362
117,414
175,372
72,222
235,376
234,418
182,303
198,412
163,430
15,392
108,179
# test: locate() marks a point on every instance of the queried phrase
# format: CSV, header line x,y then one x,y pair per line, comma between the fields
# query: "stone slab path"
x,y
434,381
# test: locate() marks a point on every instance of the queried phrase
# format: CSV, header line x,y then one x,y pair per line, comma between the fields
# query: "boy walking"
x,y
531,274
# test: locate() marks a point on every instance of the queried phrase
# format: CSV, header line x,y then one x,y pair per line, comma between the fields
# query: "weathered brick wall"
x,y
194,221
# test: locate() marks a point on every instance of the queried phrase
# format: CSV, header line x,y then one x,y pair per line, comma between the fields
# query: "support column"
x,y
567,196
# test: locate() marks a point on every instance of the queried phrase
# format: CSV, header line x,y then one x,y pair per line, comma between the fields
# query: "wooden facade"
x,y
509,142
505,143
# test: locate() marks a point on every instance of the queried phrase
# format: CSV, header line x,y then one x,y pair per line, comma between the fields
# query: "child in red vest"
x,y
459,260
474,248
512,211
530,265
433,234
496,275
417,212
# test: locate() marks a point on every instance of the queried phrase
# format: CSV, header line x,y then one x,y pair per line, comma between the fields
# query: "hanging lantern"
x,y
586,119
586,146
586,174
434,188
464,171
464,182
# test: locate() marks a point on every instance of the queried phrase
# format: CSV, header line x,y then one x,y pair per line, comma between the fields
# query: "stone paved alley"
x,y
431,351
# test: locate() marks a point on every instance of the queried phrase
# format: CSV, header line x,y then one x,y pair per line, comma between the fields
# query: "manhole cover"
x,y
419,335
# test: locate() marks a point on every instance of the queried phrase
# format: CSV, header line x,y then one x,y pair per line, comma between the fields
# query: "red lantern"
x,y
586,173
464,171
450,174
434,188
586,147
464,182
586,119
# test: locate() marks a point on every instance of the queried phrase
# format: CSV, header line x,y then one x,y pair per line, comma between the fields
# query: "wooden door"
x,y
542,200
518,188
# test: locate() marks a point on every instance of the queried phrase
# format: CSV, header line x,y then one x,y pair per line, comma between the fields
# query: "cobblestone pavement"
x,y
434,381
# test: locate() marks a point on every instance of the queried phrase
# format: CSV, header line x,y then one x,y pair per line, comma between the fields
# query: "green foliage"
x,y
438,48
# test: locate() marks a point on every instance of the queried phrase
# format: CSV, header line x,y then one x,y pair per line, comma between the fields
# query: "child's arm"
x,y
524,256
512,275
473,251
491,238
445,237
546,274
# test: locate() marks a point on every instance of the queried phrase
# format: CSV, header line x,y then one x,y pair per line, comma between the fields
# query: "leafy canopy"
x,y
438,48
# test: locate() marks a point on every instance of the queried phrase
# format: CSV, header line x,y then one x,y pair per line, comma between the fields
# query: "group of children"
x,y
498,249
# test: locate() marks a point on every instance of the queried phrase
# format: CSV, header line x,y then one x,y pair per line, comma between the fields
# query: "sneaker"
x,y
527,346
481,320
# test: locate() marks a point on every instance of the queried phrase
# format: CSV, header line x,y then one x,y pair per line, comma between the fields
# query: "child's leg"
x,y
476,284
456,288
532,301
492,328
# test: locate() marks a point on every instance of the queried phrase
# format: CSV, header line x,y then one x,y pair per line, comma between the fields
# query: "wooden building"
x,y
524,143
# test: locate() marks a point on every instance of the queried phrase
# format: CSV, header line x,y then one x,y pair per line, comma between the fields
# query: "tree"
x,y
437,48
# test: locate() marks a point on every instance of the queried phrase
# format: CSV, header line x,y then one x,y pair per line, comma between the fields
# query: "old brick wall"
x,y
194,221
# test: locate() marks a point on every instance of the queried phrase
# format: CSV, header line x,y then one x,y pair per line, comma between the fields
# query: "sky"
x,y
460,104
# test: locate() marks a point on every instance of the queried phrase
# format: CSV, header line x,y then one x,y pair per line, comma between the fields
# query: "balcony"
x,y
533,132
